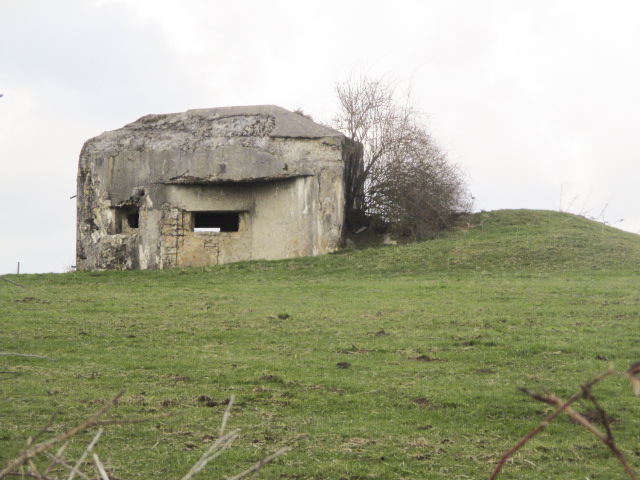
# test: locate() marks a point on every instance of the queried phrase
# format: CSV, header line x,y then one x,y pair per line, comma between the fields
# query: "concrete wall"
x,y
138,191
277,220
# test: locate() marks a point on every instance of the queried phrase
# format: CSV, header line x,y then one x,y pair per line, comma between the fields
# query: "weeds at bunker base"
x,y
212,186
438,335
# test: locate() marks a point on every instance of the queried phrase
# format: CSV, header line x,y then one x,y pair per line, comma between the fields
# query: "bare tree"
x,y
405,183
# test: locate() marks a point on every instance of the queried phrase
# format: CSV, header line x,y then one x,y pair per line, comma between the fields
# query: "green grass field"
x,y
437,337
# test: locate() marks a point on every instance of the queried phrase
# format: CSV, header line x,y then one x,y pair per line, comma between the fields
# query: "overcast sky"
x,y
537,101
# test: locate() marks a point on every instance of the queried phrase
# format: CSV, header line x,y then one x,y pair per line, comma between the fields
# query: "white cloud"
x,y
182,23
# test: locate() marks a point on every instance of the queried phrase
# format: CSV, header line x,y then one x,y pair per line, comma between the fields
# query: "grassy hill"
x,y
436,338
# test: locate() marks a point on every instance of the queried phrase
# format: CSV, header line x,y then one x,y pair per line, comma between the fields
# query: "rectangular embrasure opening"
x,y
132,219
126,219
215,221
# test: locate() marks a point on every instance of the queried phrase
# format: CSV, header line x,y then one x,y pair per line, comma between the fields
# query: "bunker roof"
x,y
287,124
283,123
206,146
195,129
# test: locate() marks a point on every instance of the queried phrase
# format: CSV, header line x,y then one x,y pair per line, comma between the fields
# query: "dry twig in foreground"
x,y
26,457
11,281
565,406
26,355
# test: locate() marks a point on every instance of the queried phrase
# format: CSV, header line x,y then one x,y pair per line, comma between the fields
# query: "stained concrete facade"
x,y
211,186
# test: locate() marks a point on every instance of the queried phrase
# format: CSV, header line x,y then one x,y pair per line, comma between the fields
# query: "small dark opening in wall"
x,y
126,219
132,219
216,221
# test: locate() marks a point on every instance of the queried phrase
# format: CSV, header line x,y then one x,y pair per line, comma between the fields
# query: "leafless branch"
x,y
57,458
536,396
227,412
32,475
131,421
608,441
32,439
31,452
604,418
27,355
84,454
72,468
100,468
222,443
11,281
561,408
404,182
261,463
33,468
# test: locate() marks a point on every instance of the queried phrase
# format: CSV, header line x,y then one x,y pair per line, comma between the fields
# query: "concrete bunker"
x,y
212,186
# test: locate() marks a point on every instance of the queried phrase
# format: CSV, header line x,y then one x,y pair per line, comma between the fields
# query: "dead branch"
x,y
132,421
31,452
261,463
536,396
32,475
561,408
32,439
59,461
57,457
11,281
222,443
33,468
27,355
601,413
402,181
609,442
85,453
100,467
227,412
632,373
45,477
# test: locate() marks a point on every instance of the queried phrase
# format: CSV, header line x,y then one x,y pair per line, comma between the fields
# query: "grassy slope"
x,y
439,335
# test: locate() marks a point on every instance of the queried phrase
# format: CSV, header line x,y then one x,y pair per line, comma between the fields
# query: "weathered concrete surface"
x,y
141,188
